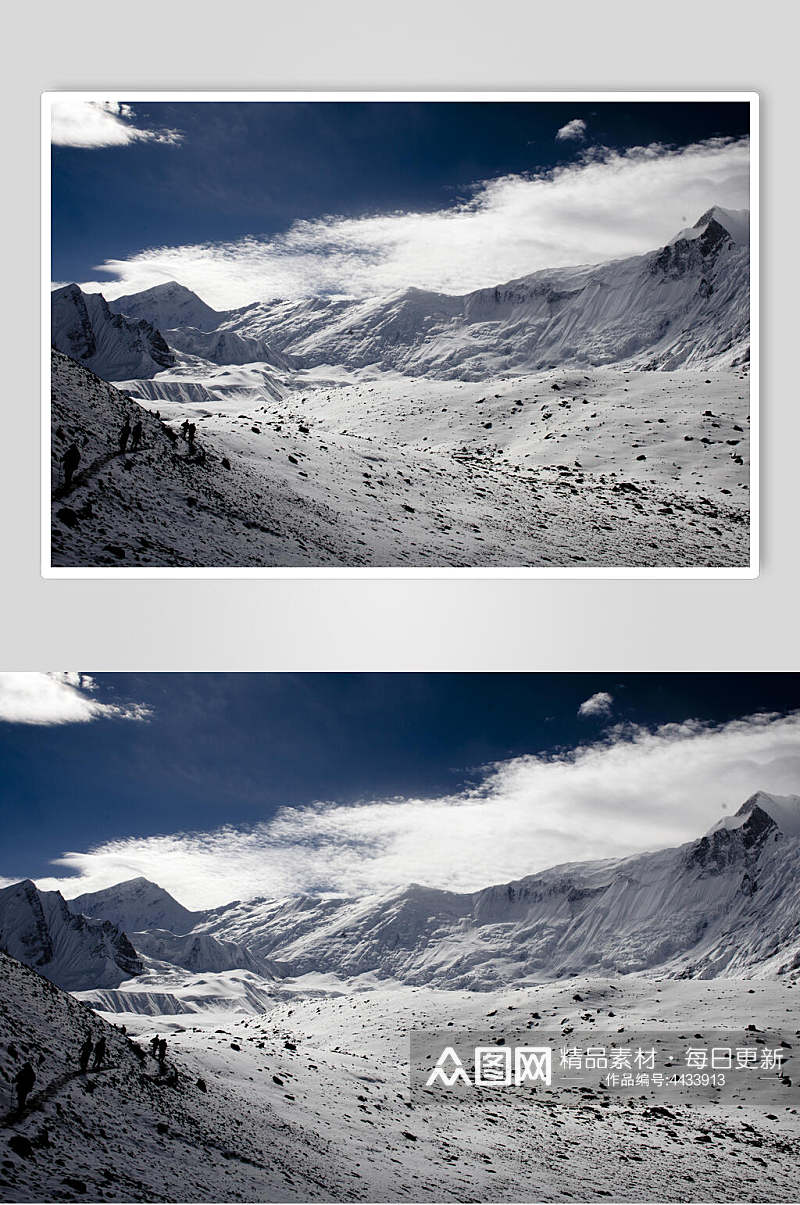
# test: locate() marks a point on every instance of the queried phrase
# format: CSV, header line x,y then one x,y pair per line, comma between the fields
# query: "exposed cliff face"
x,y
112,346
73,951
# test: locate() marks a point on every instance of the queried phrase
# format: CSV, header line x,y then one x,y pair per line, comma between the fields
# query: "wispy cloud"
x,y
58,698
635,790
573,131
599,704
607,204
98,123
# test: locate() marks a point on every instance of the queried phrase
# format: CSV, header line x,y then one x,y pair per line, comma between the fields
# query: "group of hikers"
x,y
188,431
132,433
99,1048
26,1076
158,1049
72,457
128,432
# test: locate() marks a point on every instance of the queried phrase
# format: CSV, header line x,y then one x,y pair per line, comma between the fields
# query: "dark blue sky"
x,y
231,748
254,168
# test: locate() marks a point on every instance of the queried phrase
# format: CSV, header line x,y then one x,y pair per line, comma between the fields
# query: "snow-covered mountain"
x,y
728,903
162,929
685,304
137,904
189,325
725,904
73,951
169,305
112,346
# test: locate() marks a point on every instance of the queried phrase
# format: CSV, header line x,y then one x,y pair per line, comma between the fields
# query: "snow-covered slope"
x,y
166,504
112,346
728,903
224,347
73,951
128,1132
554,469
686,304
310,1101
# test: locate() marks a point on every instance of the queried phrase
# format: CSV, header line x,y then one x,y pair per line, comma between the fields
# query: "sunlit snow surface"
x,y
367,468
311,1101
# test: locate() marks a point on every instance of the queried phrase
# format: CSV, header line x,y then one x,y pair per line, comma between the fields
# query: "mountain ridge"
x,y
727,902
684,304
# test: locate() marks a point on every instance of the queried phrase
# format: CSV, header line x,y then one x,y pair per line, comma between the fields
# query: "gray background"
x,y
401,624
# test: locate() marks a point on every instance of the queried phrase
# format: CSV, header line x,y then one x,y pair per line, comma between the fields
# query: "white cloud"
x,y
573,131
608,204
632,791
58,698
598,704
96,123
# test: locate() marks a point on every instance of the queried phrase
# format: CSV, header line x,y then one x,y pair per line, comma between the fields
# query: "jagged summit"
x,y
110,345
734,224
783,810
76,952
735,221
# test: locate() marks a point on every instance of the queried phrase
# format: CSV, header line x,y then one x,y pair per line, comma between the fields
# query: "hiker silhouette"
x,y
191,434
99,1052
162,1050
136,435
185,428
86,1052
124,436
154,1046
70,460
24,1081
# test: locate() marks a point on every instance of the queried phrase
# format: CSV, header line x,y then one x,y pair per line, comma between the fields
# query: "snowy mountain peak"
x,y
783,810
137,904
169,305
716,225
735,221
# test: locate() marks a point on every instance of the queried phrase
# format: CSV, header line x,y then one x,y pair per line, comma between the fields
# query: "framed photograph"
x,y
411,334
